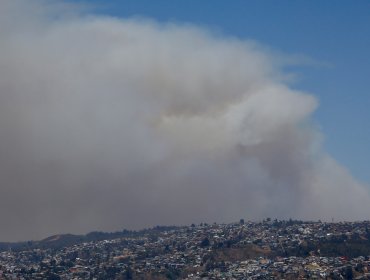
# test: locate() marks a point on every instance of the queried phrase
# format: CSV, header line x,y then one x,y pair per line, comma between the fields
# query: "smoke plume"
x,y
124,123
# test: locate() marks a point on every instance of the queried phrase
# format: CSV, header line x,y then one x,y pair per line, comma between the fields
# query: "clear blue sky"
x,y
336,33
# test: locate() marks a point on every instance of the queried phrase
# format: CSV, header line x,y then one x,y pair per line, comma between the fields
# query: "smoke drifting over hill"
x,y
109,123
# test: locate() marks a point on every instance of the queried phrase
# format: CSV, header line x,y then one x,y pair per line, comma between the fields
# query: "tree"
x,y
205,242
349,273
128,274
53,276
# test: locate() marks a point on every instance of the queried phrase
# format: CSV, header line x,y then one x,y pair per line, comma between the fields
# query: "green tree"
x,y
205,242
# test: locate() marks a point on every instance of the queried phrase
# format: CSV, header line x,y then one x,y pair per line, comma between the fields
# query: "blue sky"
x,y
334,33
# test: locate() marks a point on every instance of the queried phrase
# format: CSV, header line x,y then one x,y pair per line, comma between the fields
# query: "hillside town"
x,y
269,249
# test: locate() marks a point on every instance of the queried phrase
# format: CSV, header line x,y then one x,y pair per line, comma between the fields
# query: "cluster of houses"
x,y
291,268
270,249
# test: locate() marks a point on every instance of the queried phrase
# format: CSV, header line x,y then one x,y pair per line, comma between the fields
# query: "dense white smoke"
x,y
108,124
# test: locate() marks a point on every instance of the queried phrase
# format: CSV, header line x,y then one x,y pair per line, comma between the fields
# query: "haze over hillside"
x,y
110,123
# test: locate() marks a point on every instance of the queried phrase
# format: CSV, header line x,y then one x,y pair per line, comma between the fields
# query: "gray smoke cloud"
x,y
108,124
